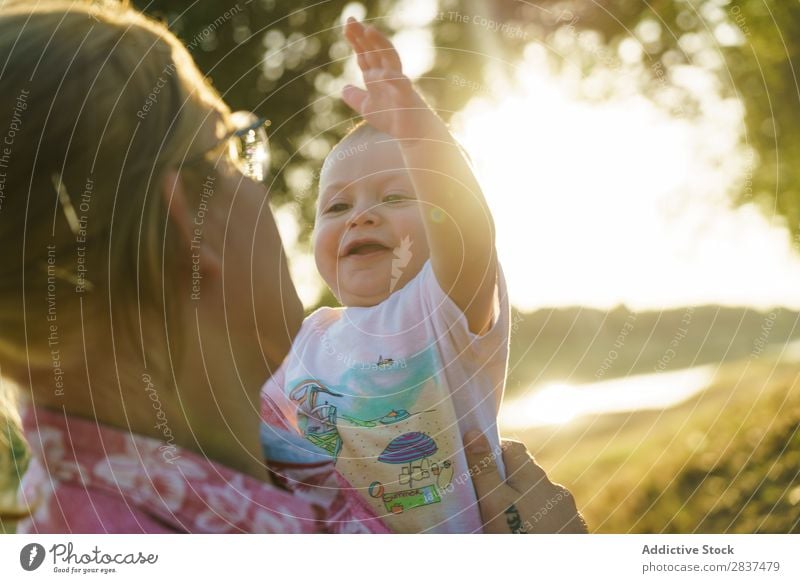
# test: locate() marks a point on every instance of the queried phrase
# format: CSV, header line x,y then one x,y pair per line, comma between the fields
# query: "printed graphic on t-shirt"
x,y
391,430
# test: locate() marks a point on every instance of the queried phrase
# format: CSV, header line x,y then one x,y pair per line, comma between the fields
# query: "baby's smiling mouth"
x,y
364,248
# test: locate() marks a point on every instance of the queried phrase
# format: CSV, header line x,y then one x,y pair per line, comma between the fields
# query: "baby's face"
x,y
369,238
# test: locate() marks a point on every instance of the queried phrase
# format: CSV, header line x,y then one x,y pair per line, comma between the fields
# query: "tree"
x,y
750,45
285,62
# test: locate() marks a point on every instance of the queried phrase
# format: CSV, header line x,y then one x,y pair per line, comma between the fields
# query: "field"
x,y
725,461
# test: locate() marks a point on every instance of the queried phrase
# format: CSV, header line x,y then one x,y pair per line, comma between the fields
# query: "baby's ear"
x,y
175,198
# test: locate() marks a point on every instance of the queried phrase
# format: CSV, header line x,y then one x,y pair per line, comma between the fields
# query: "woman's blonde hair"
x,y
97,101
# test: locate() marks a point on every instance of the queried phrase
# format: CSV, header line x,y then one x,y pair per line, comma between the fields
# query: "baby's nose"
x,y
369,215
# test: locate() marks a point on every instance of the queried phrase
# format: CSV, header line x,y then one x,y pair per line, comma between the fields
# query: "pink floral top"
x,y
90,478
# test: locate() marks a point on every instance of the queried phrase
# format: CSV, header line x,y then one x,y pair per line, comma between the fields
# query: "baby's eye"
x,y
337,207
397,197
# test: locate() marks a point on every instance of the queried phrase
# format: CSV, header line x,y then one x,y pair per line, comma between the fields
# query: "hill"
x,y
585,345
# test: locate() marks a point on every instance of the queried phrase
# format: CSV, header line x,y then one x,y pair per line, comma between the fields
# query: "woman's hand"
x,y
390,103
527,502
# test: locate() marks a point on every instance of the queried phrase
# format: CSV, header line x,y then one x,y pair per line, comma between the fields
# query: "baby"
x,y
386,386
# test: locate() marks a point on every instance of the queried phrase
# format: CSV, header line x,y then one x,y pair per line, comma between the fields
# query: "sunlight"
x,y
618,202
560,403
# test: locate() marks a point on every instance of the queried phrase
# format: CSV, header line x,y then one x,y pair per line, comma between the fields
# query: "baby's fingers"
x,y
384,48
355,33
355,38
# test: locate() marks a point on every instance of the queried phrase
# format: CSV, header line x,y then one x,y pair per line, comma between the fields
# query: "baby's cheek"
x,y
324,257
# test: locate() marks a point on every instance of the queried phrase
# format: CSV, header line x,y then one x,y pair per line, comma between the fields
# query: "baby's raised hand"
x,y
390,103
440,173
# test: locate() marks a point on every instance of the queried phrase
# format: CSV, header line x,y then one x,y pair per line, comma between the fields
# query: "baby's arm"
x,y
457,220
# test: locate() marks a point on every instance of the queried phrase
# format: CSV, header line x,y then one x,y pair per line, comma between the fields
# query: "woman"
x,y
145,295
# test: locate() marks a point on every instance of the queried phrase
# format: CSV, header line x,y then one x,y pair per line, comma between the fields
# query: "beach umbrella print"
x,y
407,449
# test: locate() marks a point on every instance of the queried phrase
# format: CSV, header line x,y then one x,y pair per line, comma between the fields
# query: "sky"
x,y
618,202
601,203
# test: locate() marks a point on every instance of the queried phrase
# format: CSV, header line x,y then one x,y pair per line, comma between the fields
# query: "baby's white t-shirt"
x,y
387,392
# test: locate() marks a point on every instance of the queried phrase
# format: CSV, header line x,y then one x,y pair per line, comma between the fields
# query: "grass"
x,y
725,461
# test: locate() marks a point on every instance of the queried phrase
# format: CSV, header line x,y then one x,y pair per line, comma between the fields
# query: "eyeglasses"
x,y
247,144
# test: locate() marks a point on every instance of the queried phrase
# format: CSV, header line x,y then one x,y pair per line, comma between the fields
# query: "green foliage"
x,y
746,481
749,45
282,60
758,67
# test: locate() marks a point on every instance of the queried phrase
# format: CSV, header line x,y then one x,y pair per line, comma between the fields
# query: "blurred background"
x,y
642,161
